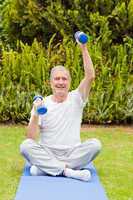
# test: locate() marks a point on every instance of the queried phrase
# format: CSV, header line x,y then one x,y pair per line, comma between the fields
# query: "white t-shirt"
x,y
60,126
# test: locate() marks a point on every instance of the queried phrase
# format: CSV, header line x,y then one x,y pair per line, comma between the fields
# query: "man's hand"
x,y
37,103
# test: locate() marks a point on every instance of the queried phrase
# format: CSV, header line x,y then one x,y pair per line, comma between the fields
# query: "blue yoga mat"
x,y
59,188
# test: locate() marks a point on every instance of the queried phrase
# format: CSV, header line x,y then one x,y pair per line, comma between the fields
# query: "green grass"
x,y
114,164
11,163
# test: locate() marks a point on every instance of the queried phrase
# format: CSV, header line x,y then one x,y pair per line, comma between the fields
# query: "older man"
x,y
59,149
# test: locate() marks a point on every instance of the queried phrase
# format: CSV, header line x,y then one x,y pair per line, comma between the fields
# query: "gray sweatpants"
x,y
53,160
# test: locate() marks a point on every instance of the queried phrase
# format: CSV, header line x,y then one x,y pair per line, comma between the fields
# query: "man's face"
x,y
60,83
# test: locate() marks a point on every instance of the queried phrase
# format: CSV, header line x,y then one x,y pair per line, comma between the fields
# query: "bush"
x,y
26,20
25,72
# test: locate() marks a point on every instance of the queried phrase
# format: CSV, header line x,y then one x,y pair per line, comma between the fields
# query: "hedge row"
x,y
25,72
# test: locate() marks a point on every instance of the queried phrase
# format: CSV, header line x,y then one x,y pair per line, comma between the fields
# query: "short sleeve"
x,y
76,95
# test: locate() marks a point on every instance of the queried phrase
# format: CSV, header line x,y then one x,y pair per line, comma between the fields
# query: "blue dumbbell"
x,y
81,37
41,110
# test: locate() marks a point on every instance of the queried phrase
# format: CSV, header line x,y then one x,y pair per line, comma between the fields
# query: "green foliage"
x,y
19,75
112,93
28,19
25,66
24,20
25,72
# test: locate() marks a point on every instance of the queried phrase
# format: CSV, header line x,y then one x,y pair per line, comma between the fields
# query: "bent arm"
x,y
32,128
89,73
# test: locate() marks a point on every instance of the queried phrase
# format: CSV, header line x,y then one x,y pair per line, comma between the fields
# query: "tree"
x,y
107,20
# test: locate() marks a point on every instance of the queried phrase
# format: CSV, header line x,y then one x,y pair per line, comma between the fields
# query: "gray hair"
x,y
59,68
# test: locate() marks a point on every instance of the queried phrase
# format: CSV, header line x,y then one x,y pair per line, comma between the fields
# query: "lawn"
x,y
114,164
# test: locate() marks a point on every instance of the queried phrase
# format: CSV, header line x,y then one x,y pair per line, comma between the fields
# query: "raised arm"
x,y
89,73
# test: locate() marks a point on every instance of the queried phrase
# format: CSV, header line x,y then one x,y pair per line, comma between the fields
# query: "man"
x,y
59,150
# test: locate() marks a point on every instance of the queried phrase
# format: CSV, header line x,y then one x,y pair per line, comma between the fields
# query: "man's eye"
x,y
64,79
57,78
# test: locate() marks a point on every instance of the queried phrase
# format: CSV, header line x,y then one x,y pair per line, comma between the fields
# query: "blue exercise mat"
x,y
59,188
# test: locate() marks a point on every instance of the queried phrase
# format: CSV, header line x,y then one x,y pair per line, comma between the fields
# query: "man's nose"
x,y
61,81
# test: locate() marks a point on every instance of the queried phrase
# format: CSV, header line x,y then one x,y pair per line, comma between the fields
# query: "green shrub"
x,y
25,72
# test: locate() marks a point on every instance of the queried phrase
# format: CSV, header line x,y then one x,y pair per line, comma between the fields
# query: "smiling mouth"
x,y
60,87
